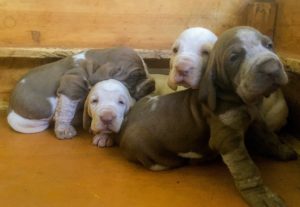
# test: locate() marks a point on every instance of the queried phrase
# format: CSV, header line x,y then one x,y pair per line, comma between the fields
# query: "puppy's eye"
x,y
94,101
175,50
269,46
205,53
121,102
234,56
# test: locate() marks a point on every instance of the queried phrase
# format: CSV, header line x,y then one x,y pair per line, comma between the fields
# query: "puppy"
x,y
104,110
189,57
56,91
200,124
187,63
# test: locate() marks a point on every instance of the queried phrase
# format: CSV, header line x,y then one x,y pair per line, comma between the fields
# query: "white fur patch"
x,y
158,167
229,117
275,111
190,155
65,109
79,56
255,51
153,101
23,125
23,81
53,103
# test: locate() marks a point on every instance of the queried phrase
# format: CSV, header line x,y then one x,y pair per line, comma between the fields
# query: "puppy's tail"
x,y
27,126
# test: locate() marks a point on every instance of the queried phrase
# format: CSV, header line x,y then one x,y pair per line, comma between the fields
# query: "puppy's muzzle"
x,y
183,68
107,117
274,70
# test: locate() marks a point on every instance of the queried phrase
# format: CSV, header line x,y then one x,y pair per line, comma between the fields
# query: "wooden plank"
x,y
261,15
40,53
287,33
105,23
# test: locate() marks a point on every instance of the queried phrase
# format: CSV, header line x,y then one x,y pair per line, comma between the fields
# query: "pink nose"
x,y
183,68
107,117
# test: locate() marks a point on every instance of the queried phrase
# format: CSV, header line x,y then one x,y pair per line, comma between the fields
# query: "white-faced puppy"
x,y
190,54
56,91
104,110
201,123
188,60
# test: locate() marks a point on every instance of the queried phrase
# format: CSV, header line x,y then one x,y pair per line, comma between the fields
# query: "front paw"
x,y
103,140
262,196
285,153
65,131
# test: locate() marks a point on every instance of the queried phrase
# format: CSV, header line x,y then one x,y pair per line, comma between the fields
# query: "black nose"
x,y
107,117
274,70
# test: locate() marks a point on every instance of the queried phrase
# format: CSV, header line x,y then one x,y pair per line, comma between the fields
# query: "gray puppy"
x,y
57,90
200,124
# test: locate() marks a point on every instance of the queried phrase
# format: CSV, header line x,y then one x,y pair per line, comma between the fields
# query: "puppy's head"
x,y
189,57
243,61
105,106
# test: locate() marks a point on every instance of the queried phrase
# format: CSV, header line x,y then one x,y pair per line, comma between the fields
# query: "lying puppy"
x,y
190,54
200,124
104,110
61,87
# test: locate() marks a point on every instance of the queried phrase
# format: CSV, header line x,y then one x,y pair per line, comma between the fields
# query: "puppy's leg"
x,y
150,153
64,114
262,140
230,144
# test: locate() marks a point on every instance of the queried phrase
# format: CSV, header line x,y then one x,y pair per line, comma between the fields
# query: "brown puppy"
x,y
242,69
60,88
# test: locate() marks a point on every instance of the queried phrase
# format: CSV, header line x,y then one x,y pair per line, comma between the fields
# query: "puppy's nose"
x,y
275,71
107,117
183,72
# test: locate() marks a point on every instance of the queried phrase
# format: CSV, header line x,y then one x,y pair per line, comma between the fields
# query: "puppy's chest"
x,y
237,117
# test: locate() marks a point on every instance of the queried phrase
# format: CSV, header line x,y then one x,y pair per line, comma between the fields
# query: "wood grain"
x,y
40,53
287,30
144,24
261,15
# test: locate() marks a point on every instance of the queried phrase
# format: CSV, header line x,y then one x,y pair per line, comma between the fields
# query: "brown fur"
x,y
74,77
211,121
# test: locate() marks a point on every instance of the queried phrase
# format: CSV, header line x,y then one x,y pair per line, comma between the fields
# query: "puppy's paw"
x,y
262,196
103,140
286,153
63,131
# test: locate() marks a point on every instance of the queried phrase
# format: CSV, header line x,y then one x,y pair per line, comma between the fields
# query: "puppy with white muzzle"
x,y
189,57
104,110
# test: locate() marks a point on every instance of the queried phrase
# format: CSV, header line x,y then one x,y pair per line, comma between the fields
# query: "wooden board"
x,y
144,24
287,30
261,15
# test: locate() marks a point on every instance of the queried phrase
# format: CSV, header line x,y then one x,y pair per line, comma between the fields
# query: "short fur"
x,y
214,119
73,77
189,57
105,107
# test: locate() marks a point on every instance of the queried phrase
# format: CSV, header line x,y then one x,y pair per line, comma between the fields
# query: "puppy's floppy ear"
x,y
144,88
171,84
86,117
207,92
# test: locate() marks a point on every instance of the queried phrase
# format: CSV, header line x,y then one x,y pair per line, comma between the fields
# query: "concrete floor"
x,y
39,170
